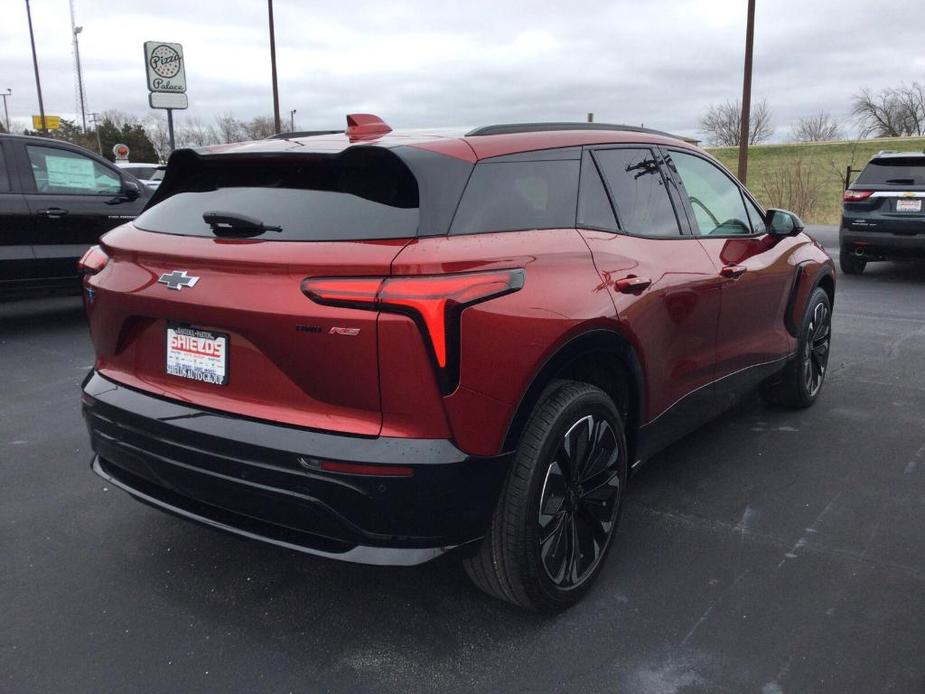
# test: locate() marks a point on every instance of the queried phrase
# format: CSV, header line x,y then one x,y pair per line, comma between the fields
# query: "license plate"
x,y
908,205
199,355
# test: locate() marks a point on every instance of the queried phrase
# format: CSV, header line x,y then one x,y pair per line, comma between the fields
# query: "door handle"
x,y
733,272
53,212
632,284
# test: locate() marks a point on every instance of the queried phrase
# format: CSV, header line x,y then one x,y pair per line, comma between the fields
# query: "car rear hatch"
x,y
201,302
888,196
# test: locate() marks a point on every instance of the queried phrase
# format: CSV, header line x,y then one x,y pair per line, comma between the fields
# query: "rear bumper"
x,y
883,243
261,480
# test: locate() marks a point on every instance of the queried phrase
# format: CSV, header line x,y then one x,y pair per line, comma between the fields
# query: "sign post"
x,y
166,80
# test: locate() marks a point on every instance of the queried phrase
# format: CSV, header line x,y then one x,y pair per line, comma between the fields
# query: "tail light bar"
x,y
92,261
855,195
435,302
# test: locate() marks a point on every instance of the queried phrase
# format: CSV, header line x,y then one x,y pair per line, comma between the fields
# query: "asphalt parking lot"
x,y
773,551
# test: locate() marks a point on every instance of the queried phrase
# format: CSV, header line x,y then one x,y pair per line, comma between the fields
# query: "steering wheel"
x,y
696,201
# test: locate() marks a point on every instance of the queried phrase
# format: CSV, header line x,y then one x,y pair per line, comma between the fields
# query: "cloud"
x,y
660,63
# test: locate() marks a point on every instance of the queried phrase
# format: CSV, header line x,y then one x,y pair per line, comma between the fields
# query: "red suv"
x,y
379,347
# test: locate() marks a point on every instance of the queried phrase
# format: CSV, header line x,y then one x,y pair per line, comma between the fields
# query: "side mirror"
x,y
130,190
783,223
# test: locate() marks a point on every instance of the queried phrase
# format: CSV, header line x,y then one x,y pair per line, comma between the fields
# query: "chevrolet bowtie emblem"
x,y
177,280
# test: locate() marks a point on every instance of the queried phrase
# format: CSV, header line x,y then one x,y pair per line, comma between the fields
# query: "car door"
x,y
752,337
664,287
16,224
74,198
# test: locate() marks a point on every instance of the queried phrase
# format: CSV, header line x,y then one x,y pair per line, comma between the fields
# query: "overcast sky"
x,y
426,64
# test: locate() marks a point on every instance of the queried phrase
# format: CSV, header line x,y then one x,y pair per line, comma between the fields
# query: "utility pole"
x,y
292,121
273,68
746,93
35,64
95,117
6,113
80,80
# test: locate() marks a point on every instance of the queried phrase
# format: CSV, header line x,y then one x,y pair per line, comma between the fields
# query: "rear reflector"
x,y
855,195
363,469
92,261
433,301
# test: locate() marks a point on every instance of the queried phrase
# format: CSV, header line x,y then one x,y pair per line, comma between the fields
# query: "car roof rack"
x,y
514,128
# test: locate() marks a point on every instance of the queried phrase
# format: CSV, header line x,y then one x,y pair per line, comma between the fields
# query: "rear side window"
x,y
639,192
894,171
363,193
61,172
514,195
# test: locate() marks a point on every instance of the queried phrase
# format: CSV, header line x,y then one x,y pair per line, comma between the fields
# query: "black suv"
x,y
56,199
884,212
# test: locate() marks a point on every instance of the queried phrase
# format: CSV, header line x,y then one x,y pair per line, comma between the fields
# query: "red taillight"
x,y
92,261
855,195
364,469
434,301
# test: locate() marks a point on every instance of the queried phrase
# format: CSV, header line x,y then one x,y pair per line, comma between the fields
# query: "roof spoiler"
x,y
365,126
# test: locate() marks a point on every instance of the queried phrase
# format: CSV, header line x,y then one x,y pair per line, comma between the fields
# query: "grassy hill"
x,y
808,175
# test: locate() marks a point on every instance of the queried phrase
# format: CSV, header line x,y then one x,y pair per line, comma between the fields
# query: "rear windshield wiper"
x,y
901,181
233,225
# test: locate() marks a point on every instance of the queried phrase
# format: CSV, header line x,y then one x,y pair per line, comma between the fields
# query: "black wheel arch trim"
x,y
801,275
594,340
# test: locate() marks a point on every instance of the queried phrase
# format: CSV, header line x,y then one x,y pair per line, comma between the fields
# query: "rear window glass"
x,y
894,171
509,196
366,194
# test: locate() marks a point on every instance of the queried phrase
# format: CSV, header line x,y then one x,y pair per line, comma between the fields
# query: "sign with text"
x,y
51,122
165,67
168,100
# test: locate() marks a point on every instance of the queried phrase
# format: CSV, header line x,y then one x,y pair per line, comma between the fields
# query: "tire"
x,y
800,383
511,563
850,264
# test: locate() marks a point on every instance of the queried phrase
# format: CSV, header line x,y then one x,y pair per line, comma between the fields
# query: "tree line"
x,y
148,139
891,112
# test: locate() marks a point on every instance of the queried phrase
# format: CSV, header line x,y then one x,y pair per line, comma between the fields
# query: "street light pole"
x,y
273,68
80,80
6,113
292,121
746,93
35,64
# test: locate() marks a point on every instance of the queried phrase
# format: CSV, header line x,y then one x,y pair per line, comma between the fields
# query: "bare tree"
x,y
819,127
892,112
722,123
194,133
156,129
793,184
259,128
229,129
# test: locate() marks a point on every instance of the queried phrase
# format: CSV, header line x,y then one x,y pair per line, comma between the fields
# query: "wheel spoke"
x,y
553,551
603,454
577,446
574,560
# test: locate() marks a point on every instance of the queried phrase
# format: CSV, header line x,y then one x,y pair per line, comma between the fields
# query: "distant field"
x,y
823,162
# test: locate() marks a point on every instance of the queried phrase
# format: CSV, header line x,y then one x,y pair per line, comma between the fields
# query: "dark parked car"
x,y
56,199
379,348
883,216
